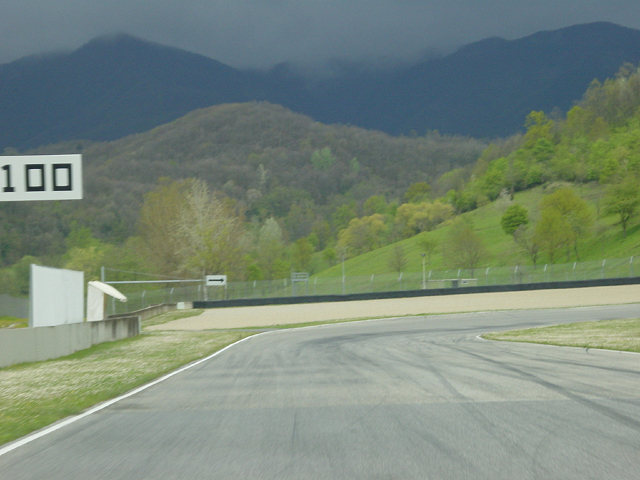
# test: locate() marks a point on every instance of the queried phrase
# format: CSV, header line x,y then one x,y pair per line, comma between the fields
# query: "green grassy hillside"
x,y
605,240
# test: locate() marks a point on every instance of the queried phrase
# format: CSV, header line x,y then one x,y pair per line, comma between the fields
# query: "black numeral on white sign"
x,y
8,188
62,178
34,177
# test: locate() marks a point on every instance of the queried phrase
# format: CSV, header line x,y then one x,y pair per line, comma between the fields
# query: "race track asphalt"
x,y
404,398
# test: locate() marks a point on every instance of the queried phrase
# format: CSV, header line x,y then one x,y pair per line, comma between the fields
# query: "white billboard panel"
x,y
57,296
40,177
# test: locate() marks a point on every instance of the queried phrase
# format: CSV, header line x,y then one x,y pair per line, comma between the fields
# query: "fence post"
x,y
631,266
604,262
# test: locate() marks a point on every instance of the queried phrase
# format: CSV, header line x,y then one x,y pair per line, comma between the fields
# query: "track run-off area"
x,y
419,397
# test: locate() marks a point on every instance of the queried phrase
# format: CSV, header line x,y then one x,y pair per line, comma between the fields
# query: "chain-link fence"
x,y
352,284
143,295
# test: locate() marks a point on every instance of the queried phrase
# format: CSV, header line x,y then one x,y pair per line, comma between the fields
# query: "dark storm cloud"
x,y
265,32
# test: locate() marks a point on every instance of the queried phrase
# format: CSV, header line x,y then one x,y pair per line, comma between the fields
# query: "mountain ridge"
x,y
117,85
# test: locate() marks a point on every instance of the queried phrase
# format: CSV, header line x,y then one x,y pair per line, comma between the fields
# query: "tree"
x,y
427,245
323,159
526,238
418,192
623,200
363,234
301,255
575,215
270,249
538,126
413,218
398,260
514,217
552,232
375,204
208,234
463,247
159,214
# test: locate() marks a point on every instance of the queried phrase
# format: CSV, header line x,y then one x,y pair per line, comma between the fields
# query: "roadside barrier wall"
x,y
21,345
249,302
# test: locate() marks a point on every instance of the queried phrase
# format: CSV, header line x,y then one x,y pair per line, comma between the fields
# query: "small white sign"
x,y
40,177
215,280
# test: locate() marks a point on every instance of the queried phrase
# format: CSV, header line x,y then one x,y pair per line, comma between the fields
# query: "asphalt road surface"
x,y
406,398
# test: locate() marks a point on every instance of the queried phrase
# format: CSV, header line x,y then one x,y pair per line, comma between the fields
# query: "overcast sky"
x,y
260,33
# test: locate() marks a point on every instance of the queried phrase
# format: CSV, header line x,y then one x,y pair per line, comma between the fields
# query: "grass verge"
x,y
606,334
13,322
34,395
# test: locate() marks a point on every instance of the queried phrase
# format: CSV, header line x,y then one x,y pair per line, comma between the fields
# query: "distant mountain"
x,y
487,88
114,86
109,88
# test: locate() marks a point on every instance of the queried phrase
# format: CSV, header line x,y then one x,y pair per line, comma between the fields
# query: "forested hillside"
x,y
268,161
254,191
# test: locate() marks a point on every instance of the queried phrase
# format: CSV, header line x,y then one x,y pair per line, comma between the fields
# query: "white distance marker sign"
x,y
40,177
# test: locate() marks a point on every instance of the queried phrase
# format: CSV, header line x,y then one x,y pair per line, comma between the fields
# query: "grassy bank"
x,y
13,322
607,334
37,394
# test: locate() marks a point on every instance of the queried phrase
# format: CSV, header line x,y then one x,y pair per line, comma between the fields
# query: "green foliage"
x,y
15,279
301,255
413,218
270,249
623,200
463,248
417,192
567,211
617,99
552,233
363,234
539,127
398,261
375,204
323,159
514,217
427,245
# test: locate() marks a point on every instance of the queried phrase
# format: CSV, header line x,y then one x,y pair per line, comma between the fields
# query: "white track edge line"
x,y
68,421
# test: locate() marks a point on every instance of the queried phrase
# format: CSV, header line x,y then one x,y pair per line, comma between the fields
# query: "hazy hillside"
x,y
121,85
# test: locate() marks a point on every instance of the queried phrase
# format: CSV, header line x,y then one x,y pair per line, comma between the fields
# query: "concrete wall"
x,y
43,343
148,312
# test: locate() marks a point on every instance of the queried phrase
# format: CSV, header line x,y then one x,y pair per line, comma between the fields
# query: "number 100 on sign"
x,y
40,177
